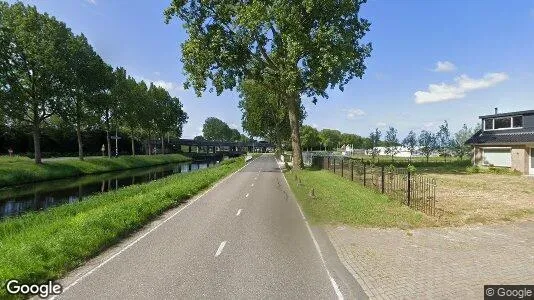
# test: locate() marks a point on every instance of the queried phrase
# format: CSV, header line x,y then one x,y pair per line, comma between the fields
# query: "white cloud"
x,y
381,124
93,2
353,113
462,85
444,66
315,126
233,126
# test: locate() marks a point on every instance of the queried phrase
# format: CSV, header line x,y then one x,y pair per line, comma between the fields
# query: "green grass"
x,y
19,170
340,201
45,245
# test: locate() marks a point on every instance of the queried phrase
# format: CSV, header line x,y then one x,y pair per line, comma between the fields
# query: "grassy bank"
x,y
340,201
19,170
45,245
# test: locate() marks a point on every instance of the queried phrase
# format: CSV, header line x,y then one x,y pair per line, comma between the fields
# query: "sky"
x,y
431,61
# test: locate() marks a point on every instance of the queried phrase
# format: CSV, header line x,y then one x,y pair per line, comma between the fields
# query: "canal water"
x,y
42,195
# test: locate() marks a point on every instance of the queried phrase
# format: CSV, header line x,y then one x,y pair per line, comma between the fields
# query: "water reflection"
x,y
39,196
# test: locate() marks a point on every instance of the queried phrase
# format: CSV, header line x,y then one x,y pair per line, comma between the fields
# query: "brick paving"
x,y
436,263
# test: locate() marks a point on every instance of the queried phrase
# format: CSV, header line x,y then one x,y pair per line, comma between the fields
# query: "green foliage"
x,y
264,112
310,137
45,245
391,142
411,168
410,142
374,139
217,130
459,143
293,48
330,138
19,170
427,143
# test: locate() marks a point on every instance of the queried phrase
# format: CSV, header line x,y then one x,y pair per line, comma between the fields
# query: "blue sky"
x,y
432,61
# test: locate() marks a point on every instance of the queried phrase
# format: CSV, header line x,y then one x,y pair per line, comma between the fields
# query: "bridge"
x,y
219,147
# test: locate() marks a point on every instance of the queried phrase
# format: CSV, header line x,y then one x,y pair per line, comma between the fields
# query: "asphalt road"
x,y
244,238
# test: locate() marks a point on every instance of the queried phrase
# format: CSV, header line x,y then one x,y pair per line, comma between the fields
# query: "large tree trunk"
x,y
294,121
133,145
80,142
37,144
108,142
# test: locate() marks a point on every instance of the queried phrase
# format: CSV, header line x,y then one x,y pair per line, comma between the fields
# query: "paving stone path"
x,y
436,263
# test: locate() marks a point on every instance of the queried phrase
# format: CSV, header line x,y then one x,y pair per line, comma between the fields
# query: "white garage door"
x,y
498,157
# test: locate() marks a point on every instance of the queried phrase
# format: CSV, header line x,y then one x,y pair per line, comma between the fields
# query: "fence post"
x,y
382,179
364,174
351,170
409,187
342,161
328,160
334,165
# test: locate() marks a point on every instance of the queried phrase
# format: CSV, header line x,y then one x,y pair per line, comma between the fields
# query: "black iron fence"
x,y
414,190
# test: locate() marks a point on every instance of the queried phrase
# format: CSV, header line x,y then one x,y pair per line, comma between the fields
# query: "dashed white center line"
x,y
238,212
221,246
246,196
252,184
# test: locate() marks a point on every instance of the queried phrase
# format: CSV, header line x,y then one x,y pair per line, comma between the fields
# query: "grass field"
x,y
19,170
483,198
340,201
45,245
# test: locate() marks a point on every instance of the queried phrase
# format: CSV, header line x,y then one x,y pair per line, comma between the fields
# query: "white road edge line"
x,y
252,185
246,196
332,281
221,246
147,233
238,212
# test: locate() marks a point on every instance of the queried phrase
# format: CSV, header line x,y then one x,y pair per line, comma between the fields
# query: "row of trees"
x,y
329,139
46,70
427,143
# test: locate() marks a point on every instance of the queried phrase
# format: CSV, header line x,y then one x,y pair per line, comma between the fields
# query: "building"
x,y
506,140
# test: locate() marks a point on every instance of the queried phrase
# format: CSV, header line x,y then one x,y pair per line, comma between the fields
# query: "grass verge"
x,y
340,201
45,245
19,170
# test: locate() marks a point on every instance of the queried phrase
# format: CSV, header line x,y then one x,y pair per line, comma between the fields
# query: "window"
x,y
518,121
488,124
503,123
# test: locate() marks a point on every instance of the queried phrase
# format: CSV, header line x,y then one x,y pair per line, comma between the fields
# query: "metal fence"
x,y
414,190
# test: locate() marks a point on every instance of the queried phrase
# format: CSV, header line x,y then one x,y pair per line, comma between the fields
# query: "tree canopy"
x,y
292,47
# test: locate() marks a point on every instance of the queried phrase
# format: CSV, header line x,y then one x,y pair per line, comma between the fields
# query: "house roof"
x,y
482,137
509,114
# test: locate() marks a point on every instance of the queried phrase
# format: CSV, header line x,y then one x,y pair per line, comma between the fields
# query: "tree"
x,y
410,142
351,139
33,66
216,130
264,114
292,47
330,138
85,82
392,142
427,143
309,137
374,139
235,135
443,138
199,138
459,143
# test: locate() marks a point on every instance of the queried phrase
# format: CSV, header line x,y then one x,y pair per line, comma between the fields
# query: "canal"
x,y
42,195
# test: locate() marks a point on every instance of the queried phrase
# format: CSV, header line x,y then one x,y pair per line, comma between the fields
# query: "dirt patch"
x,y
483,198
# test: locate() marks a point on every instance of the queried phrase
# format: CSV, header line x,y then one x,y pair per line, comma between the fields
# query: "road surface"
x,y
244,238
